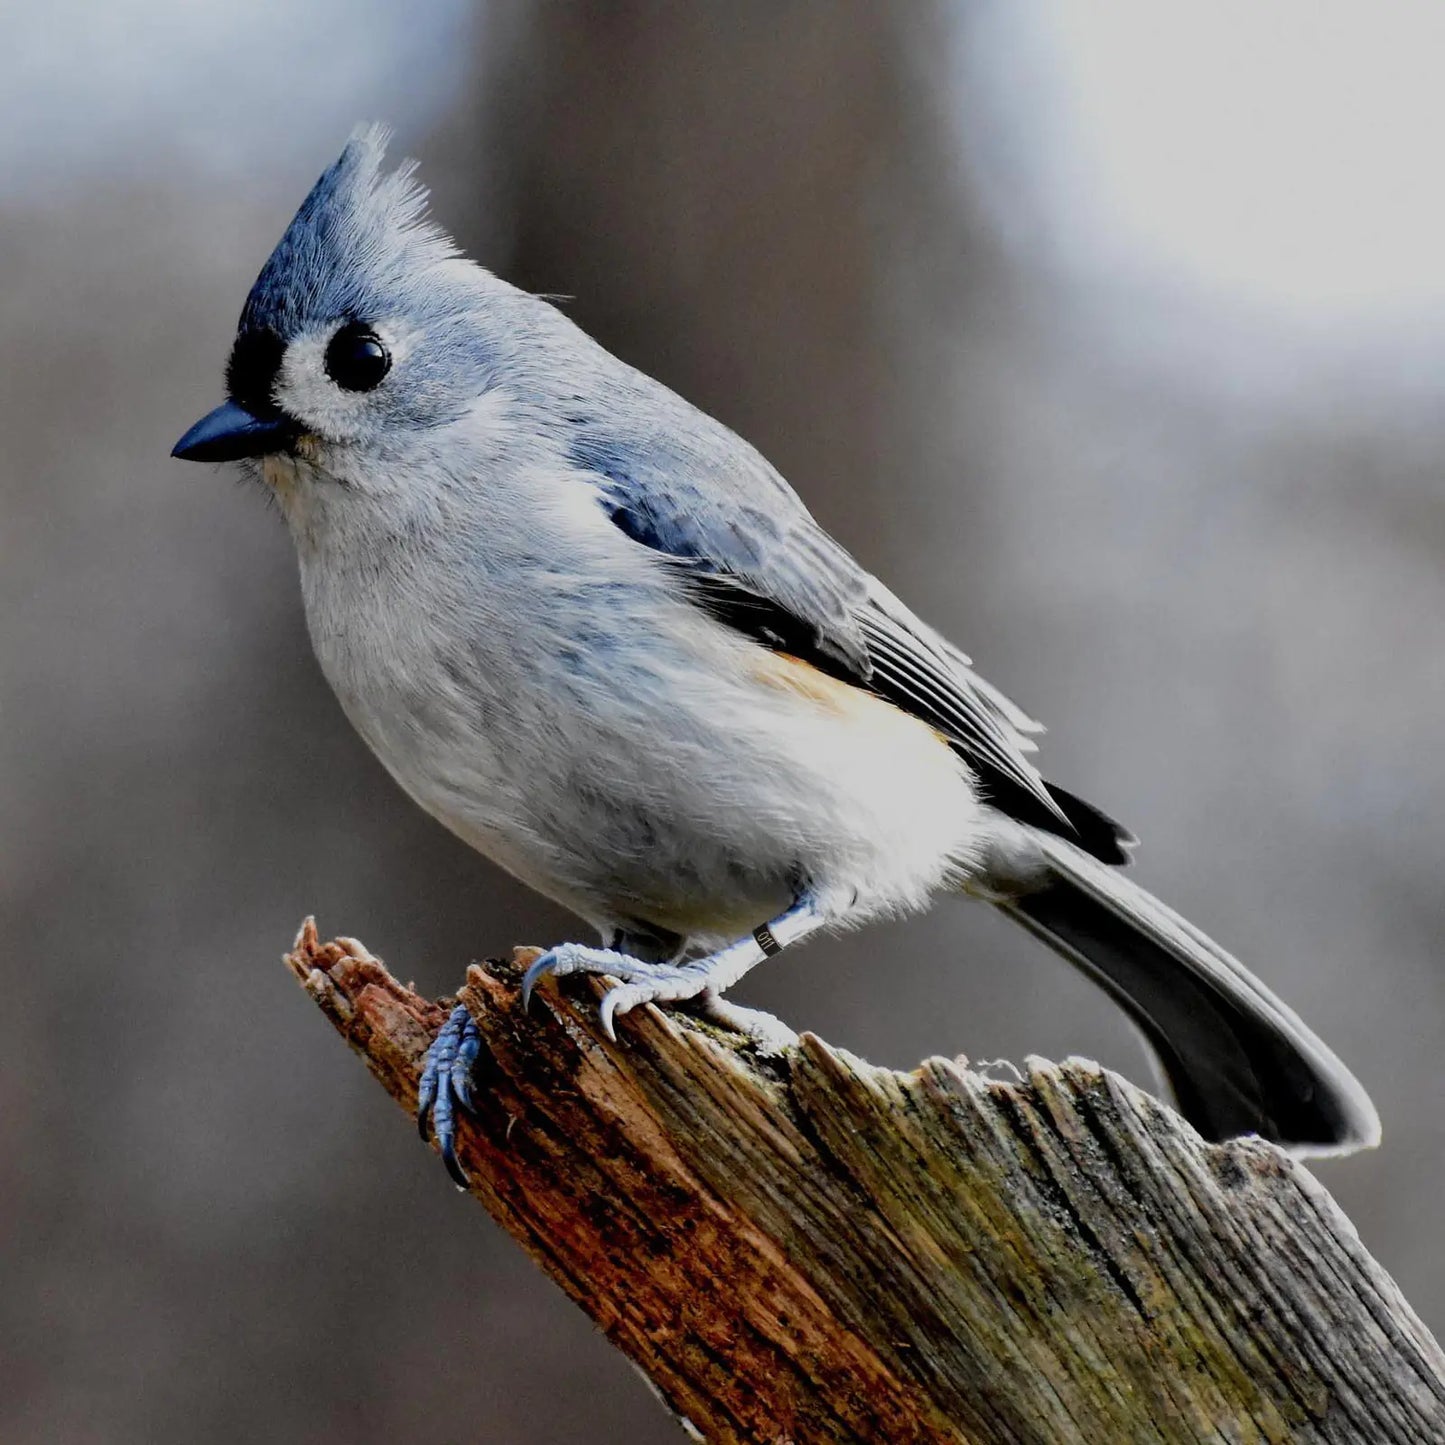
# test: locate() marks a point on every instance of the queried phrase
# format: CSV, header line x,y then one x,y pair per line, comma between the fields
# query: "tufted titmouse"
x,y
594,633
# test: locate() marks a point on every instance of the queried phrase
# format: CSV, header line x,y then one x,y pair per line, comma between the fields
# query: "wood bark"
x,y
807,1248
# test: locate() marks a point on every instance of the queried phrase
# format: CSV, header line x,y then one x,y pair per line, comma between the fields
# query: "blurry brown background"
x,y
1114,344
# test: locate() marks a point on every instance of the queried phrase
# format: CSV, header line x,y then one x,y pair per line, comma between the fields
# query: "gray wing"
x,y
754,556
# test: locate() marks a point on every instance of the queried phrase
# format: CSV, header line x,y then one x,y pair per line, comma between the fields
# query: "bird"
x,y
593,632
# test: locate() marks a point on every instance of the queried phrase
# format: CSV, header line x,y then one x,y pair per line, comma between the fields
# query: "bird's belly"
x,y
612,842
695,789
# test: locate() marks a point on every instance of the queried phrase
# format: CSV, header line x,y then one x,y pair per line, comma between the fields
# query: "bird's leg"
x,y
446,1074
703,978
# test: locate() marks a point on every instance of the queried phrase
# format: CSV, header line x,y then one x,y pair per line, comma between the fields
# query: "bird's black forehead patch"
x,y
252,370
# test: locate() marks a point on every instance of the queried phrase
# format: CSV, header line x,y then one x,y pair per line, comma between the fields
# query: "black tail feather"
x,y
1236,1059
1089,827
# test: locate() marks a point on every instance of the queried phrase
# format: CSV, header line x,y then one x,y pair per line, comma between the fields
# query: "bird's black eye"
x,y
357,358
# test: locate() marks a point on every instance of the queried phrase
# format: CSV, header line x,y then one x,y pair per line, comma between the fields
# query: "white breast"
x,y
545,692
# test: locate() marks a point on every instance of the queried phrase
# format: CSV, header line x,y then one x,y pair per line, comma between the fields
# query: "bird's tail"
x,y
1236,1059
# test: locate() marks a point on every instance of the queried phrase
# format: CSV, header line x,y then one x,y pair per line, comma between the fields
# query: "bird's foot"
x,y
643,983
768,1033
446,1085
640,983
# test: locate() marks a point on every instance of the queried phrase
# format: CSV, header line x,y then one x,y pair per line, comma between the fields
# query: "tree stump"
x,y
806,1248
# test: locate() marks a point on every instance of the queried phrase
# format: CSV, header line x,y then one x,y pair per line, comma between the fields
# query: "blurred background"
x,y
1112,337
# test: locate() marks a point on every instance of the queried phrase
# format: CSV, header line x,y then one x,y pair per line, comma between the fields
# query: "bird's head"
x,y
361,339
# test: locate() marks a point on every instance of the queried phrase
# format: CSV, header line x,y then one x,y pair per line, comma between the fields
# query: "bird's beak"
x,y
231,432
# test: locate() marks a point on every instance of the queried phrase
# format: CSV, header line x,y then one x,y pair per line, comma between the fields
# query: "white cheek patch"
x,y
304,390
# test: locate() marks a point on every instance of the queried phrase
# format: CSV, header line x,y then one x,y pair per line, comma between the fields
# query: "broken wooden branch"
x,y
808,1248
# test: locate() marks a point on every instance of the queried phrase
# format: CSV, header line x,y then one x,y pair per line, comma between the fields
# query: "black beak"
x,y
231,432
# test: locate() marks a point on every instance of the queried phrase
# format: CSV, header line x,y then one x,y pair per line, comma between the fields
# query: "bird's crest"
x,y
358,237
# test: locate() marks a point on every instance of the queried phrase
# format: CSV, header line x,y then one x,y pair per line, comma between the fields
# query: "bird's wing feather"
x,y
761,559
753,555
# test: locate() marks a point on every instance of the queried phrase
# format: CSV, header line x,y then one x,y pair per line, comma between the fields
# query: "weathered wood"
x,y
809,1248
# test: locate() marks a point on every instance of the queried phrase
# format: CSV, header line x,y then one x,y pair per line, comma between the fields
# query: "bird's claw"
x,y
621,998
446,1083
769,1035
638,982
568,958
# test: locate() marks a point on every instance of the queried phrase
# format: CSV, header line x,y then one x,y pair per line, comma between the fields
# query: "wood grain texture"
x,y
809,1248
